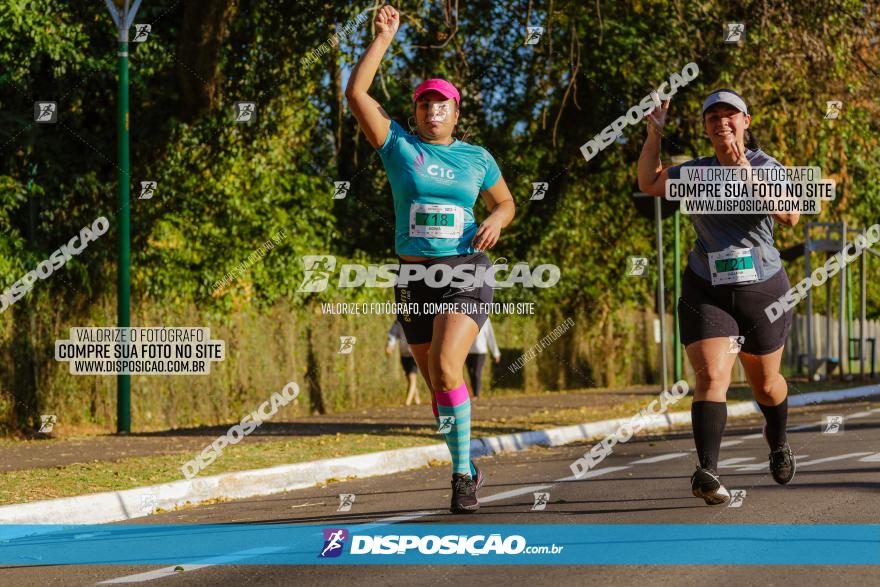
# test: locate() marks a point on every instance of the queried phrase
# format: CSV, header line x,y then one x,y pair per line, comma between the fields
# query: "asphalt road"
x,y
645,481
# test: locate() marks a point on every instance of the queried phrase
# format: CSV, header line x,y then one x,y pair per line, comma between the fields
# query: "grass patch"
x,y
79,479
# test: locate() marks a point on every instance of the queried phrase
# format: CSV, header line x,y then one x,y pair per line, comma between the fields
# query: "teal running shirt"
x,y
434,188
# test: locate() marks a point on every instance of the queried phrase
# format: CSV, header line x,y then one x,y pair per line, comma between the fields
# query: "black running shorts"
x,y
409,365
418,327
707,311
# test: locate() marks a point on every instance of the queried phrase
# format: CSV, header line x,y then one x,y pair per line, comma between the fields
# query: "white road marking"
x,y
153,575
404,518
591,474
727,463
660,458
209,562
851,455
749,468
874,458
764,465
514,493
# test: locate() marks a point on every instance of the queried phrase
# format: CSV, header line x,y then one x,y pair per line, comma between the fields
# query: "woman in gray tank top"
x,y
734,273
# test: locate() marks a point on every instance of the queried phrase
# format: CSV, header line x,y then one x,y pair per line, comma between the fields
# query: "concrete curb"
x,y
115,506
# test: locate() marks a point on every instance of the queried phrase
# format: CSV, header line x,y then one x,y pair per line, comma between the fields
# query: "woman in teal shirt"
x,y
435,180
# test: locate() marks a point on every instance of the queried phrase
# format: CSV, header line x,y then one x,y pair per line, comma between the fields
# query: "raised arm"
x,y
652,176
369,114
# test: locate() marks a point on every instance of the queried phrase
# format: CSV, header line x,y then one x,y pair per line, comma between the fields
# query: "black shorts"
x,y
707,311
418,327
409,365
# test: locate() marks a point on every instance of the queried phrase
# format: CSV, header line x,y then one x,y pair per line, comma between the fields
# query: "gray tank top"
x,y
720,232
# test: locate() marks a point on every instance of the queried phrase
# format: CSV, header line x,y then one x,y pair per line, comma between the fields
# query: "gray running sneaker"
x,y
464,495
783,464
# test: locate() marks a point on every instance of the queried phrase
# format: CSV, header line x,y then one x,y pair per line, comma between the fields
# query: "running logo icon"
x,y
334,541
46,112
418,163
47,423
737,496
147,190
541,501
148,503
832,425
832,109
533,34
735,32
318,269
245,112
736,343
539,190
637,266
346,344
345,502
444,426
340,188
141,32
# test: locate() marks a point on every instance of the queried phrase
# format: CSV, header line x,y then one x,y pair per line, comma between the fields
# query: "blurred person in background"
x,y
476,358
396,337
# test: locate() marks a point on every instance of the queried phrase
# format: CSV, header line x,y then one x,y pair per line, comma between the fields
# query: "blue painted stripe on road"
x,y
283,544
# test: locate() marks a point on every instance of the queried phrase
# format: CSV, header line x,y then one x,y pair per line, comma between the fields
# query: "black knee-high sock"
x,y
708,419
777,420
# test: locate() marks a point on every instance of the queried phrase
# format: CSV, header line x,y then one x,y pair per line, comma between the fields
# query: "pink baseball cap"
x,y
438,85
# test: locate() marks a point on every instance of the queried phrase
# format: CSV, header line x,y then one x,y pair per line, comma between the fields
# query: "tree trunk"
x,y
204,26
24,380
313,375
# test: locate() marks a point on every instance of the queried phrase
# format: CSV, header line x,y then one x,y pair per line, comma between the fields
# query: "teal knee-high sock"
x,y
446,437
456,402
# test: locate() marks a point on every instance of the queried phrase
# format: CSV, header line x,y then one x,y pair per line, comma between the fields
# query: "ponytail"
x,y
750,141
